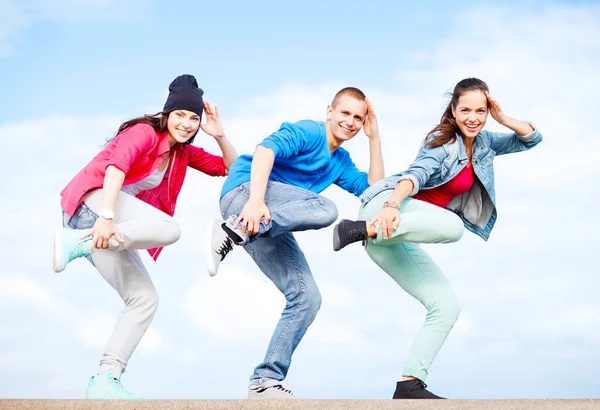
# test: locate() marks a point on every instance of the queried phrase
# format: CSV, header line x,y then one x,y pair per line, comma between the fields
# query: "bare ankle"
x,y
371,230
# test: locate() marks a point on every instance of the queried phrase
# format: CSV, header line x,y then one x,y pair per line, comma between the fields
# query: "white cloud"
x,y
152,341
25,290
335,334
94,332
92,328
233,305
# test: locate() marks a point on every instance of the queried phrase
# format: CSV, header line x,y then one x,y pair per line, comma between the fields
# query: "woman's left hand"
x,y
495,110
212,126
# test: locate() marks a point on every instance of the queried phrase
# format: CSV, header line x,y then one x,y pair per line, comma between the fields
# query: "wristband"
x,y
106,214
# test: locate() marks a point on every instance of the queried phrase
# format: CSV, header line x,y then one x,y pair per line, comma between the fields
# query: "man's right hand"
x,y
251,216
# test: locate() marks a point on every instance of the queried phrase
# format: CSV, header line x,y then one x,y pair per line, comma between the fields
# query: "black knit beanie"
x,y
184,94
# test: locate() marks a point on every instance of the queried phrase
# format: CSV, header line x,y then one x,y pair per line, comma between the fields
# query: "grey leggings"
x,y
142,226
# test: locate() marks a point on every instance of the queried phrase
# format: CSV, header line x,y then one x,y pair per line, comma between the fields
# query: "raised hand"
x,y
370,127
212,126
496,110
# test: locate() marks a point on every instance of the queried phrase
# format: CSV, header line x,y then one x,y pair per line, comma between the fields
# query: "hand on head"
x,y
370,126
495,109
212,126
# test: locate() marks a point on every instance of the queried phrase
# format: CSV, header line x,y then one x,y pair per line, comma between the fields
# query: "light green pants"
x,y
412,268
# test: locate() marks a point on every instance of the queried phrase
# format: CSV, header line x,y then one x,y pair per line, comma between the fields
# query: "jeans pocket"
x,y
83,218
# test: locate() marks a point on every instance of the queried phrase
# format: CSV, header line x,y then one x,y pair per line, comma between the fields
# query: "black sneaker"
x,y
413,389
347,232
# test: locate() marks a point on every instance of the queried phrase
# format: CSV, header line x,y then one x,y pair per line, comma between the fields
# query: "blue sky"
x,y
71,72
89,56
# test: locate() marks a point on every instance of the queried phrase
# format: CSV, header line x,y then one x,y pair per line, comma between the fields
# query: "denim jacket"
x,y
436,166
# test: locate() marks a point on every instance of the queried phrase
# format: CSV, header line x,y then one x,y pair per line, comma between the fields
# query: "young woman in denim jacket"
x,y
124,200
449,185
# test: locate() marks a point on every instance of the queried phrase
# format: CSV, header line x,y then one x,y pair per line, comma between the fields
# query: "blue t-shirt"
x,y
302,159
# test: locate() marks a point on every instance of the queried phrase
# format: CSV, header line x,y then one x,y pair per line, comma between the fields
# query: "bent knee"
x,y
145,299
454,229
446,310
309,301
314,301
328,213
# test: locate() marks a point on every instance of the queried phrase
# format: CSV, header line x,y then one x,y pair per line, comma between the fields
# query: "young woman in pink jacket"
x,y
124,200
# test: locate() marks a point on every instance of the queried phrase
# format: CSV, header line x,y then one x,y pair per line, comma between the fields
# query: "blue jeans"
x,y
277,254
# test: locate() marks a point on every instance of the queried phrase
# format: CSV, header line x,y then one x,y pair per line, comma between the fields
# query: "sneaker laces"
x,y
225,247
281,388
355,235
419,385
80,249
120,387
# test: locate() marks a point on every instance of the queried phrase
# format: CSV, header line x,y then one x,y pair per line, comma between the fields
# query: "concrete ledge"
x,y
582,404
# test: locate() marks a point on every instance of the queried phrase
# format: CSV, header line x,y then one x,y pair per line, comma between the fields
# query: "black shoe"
x,y
347,232
413,389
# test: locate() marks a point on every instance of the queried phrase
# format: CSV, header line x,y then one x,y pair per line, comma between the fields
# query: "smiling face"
x,y
346,117
182,125
471,113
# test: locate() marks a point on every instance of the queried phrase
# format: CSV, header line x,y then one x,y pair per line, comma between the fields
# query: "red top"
x,y
138,151
443,194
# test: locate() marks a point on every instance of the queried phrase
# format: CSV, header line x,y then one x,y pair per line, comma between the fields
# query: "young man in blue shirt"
x,y
268,196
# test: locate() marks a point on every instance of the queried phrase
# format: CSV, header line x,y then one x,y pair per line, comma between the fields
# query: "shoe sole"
x,y
337,244
336,238
56,259
208,258
261,396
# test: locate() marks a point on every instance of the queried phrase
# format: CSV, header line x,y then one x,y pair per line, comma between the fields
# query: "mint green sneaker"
x,y
68,245
106,387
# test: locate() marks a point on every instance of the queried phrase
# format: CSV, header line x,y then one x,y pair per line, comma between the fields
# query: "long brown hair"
x,y
157,121
447,129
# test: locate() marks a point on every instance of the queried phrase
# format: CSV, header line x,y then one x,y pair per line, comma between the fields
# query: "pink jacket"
x,y
138,152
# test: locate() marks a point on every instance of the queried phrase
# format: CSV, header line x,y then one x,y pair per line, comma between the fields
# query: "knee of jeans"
x,y
171,231
145,298
455,229
312,301
329,212
446,310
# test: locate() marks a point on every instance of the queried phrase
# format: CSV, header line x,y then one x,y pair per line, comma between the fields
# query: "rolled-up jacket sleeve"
x,y
508,143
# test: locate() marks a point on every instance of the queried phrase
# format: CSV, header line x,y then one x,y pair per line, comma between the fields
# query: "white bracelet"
x,y
107,214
